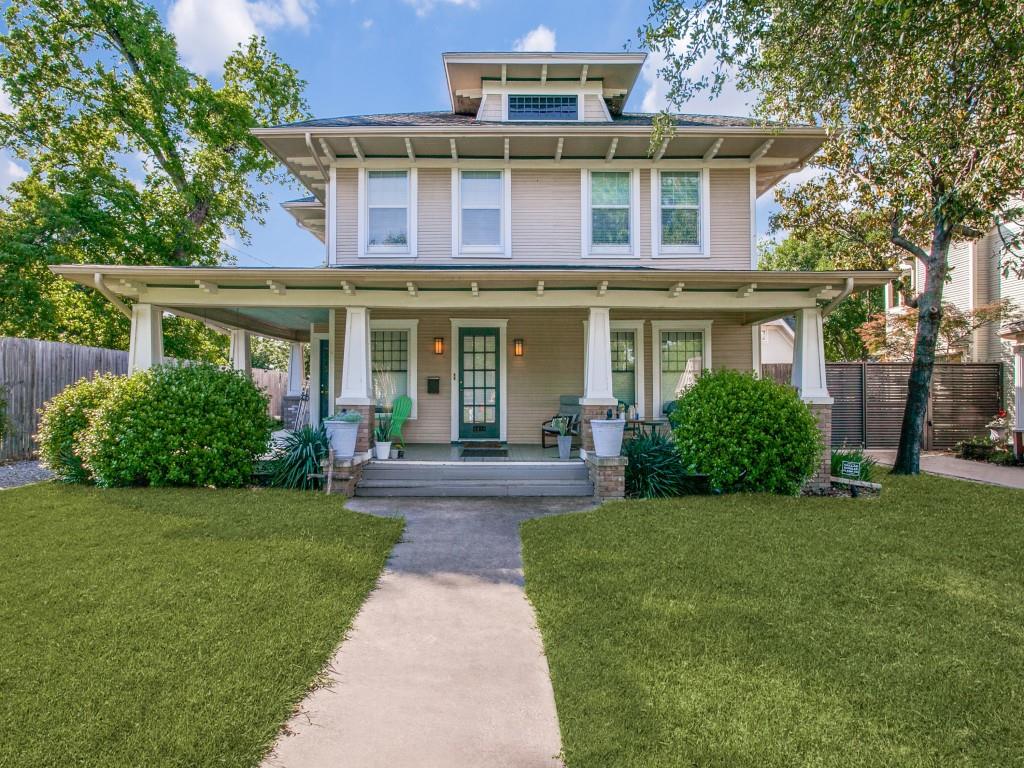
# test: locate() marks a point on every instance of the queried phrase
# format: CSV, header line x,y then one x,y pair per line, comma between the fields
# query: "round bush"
x,y
746,433
63,422
197,425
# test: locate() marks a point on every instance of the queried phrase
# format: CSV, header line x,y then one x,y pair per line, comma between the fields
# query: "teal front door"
x,y
479,393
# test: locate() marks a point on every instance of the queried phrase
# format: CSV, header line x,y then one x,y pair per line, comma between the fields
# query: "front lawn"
x,y
768,631
169,627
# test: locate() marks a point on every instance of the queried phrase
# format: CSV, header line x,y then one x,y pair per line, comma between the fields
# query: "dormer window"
x,y
543,107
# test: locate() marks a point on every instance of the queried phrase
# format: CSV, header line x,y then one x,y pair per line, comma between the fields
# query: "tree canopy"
x,y
923,105
133,159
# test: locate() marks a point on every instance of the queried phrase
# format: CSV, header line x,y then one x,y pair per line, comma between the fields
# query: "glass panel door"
x,y
478,383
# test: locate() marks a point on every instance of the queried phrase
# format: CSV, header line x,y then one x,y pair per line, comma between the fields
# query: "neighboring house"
x,y
777,341
528,244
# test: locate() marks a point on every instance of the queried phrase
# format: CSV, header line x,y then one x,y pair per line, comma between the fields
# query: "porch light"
x,y
517,347
439,345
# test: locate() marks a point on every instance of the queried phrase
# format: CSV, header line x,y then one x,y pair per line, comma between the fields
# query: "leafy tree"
x,y
133,158
269,353
923,103
890,336
813,253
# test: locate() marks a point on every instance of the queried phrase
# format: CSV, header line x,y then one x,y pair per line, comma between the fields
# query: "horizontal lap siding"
x,y
593,110
546,215
347,222
730,220
435,213
492,108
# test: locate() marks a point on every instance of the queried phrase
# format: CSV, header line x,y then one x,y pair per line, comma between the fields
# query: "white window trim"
x,y
412,327
657,326
703,249
314,376
477,322
543,91
504,251
411,215
589,250
637,327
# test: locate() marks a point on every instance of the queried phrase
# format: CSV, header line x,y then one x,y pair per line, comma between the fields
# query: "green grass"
x,y
170,627
766,631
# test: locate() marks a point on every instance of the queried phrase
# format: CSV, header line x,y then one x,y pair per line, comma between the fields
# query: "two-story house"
x,y
527,245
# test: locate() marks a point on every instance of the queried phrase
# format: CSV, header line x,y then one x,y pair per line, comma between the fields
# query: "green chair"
x,y
401,410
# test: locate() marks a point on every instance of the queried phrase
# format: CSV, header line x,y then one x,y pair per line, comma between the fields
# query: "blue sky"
x,y
367,56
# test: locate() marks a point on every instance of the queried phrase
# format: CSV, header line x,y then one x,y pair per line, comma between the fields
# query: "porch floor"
x,y
453,452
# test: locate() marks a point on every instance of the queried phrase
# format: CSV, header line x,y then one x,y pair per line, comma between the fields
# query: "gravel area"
x,y
22,473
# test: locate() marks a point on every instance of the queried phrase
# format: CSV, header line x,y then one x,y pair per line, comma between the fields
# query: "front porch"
x,y
529,453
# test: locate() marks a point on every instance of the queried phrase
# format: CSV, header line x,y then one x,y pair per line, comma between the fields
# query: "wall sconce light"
x,y
439,345
517,347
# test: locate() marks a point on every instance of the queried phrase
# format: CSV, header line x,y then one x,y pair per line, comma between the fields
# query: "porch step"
x,y
408,478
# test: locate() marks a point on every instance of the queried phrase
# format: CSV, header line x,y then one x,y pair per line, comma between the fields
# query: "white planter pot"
x,y
382,450
343,437
608,436
564,446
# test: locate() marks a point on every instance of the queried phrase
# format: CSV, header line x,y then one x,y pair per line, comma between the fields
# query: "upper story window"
x,y
481,195
387,211
610,196
680,229
543,107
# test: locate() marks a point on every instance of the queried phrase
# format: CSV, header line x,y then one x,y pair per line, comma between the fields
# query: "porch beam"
x,y
543,74
356,149
761,151
583,73
602,288
610,154
746,291
411,288
506,149
348,288
474,288
540,287
277,287
558,149
820,292
455,150
713,150
409,150
676,290
329,152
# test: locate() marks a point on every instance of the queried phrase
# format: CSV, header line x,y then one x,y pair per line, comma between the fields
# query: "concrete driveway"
x,y
444,665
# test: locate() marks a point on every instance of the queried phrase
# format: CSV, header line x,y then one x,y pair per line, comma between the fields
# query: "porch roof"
x,y
283,302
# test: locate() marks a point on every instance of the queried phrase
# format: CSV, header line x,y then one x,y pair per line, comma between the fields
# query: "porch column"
x,y
809,380
295,369
240,354
146,345
356,373
1018,399
597,382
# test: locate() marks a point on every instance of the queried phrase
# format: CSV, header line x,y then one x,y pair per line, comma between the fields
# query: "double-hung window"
x,y
393,358
610,217
680,226
481,195
682,350
387,211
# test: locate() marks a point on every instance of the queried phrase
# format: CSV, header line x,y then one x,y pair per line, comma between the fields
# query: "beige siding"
x,y
730,219
546,219
551,366
592,108
958,290
492,108
434,212
348,212
546,215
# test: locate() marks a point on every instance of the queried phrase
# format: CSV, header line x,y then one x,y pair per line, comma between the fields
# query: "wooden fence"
x,y
870,398
32,372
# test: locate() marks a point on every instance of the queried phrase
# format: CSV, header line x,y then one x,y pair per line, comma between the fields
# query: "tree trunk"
x,y
929,317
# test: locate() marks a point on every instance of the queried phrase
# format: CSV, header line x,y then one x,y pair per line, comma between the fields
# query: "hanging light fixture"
x,y
517,347
439,345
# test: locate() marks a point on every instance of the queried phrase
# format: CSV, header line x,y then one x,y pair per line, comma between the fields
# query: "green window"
x,y
624,366
390,356
680,209
681,362
609,209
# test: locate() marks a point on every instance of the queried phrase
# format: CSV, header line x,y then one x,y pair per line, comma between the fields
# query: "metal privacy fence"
x,y
870,398
32,372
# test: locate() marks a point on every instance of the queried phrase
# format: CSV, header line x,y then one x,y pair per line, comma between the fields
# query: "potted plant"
x,y
999,427
342,429
608,435
382,436
564,426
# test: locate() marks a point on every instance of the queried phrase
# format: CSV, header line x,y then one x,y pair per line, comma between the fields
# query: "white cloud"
x,y
730,102
423,7
539,39
208,31
10,171
367,23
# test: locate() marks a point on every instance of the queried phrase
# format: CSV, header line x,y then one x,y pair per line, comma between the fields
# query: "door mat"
x,y
484,453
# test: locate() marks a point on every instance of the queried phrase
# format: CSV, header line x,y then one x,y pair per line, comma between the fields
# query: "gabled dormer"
x,y
541,87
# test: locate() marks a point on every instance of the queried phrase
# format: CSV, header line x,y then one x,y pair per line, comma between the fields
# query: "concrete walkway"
x,y
961,469
444,665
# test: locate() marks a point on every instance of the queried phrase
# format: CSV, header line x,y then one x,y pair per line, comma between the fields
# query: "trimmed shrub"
x,y
197,425
746,433
867,464
63,422
299,456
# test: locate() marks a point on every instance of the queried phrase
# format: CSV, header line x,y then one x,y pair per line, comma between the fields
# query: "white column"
x,y
146,346
241,352
809,358
355,364
1018,387
295,369
597,381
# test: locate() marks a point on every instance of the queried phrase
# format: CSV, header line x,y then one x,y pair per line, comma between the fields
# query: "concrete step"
x,y
500,471
489,487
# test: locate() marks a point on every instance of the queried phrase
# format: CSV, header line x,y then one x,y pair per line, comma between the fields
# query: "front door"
x,y
324,393
479,394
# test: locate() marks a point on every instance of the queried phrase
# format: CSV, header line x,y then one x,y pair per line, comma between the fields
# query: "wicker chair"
x,y
568,408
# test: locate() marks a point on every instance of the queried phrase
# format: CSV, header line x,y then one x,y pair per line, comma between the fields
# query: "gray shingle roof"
x,y
454,119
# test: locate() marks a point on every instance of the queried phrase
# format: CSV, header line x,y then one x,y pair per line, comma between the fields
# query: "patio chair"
x,y
568,408
401,410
